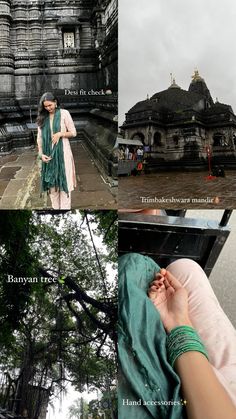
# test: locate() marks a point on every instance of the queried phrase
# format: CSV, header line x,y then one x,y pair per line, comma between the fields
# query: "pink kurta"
x,y
67,124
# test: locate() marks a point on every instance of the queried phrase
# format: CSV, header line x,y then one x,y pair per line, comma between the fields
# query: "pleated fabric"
x,y
148,386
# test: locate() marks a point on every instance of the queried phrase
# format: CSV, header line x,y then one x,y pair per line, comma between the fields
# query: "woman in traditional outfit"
x,y
55,127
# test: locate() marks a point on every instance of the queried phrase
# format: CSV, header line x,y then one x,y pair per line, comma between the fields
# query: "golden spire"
x,y
196,75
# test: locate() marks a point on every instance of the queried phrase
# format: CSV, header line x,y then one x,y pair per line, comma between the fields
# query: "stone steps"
x,y
228,162
156,166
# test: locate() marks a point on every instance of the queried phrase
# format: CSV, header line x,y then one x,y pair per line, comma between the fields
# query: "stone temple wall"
x,y
60,44
65,46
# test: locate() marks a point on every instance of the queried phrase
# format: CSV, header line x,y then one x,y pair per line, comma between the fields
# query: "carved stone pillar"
x,y
6,56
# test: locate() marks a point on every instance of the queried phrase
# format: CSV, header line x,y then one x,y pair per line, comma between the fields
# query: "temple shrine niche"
x,y
181,127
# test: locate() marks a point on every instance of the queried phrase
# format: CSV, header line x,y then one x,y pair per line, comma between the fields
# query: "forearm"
x,y
67,134
40,150
39,141
205,396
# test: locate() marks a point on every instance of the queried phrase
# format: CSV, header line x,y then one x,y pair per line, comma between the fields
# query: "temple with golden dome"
x,y
182,127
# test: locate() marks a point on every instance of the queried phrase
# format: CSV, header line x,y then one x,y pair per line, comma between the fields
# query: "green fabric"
x,y
145,374
53,173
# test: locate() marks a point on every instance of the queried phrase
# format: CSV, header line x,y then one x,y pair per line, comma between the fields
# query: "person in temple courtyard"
x,y
55,128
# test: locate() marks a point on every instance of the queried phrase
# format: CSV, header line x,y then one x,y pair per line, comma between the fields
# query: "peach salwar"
x,y
60,199
209,319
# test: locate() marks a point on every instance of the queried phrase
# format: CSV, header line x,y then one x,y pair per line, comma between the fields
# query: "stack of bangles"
x,y
183,339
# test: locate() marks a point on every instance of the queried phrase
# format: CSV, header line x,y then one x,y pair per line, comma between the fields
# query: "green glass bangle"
x,y
183,339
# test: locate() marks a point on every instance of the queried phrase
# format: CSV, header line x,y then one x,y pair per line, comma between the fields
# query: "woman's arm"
x,y
70,130
205,397
44,158
39,140
66,134
56,137
69,124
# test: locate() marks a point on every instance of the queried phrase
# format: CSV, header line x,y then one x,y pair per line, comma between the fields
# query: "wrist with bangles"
x,y
183,339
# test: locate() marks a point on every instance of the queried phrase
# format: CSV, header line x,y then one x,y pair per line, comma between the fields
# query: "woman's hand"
x,y
171,300
45,158
56,137
200,385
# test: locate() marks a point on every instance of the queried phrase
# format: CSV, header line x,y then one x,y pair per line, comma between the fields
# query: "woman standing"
x,y
55,127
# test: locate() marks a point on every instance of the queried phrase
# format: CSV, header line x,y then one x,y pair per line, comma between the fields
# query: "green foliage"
x,y
78,408
105,406
62,329
16,259
106,226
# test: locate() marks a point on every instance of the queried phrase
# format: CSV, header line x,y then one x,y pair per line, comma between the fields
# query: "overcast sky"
x,y
60,409
159,37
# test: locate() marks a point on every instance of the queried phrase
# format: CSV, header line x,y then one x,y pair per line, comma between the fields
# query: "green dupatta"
x,y
53,173
148,387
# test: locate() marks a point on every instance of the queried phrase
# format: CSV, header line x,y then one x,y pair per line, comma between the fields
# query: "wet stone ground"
x,y
177,190
20,182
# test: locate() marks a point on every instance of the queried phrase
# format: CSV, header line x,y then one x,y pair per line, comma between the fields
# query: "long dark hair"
x,y
42,112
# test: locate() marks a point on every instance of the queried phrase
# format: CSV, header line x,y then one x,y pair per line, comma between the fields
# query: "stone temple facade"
x,y
182,127
65,46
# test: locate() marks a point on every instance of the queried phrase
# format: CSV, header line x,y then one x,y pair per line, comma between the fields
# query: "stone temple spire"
x,y
199,86
173,85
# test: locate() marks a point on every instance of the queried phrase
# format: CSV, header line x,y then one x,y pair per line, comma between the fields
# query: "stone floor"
x,y
20,182
177,190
